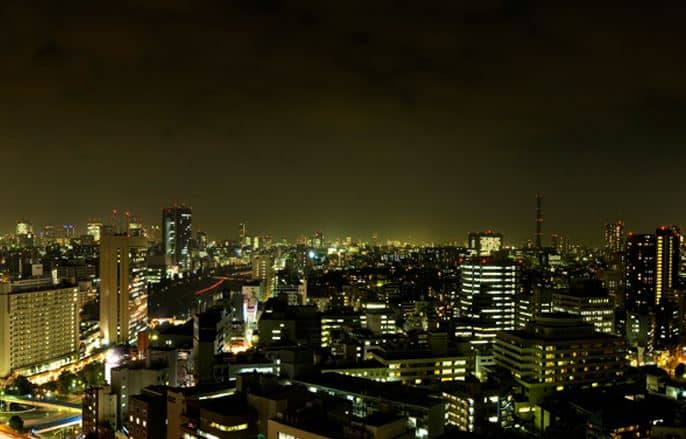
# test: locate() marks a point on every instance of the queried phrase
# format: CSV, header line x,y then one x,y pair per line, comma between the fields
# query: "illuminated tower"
x,y
176,236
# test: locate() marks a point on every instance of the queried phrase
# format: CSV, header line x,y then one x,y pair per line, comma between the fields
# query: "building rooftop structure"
x,y
372,389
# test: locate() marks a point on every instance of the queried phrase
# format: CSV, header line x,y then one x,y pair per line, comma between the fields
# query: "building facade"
x,y
487,292
123,288
39,328
560,352
177,233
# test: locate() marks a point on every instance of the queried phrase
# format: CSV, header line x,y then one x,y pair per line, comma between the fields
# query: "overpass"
x,y
47,427
47,404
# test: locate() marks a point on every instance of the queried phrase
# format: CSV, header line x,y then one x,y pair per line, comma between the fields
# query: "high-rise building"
x,y
317,240
560,352
262,270
640,271
123,288
99,411
94,229
176,236
148,414
202,241
590,301
614,238
24,227
533,304
24,234
39,327
242,233
652,267
666,264
487,292
560,243
485,243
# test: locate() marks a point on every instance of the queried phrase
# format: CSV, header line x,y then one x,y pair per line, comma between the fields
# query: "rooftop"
x,y
385,391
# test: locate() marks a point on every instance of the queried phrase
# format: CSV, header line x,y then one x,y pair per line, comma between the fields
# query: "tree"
x,y
93,374
16,423
680,370
21,386
69,382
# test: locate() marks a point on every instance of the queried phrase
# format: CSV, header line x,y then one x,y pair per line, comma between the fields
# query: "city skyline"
x,y
388,219
229,231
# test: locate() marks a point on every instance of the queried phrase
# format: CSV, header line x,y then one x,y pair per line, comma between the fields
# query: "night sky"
x,y
405,118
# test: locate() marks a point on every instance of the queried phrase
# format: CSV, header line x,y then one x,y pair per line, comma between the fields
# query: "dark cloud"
x,y
408,118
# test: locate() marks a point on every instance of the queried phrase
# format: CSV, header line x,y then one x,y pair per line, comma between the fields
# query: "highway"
x,y
61,406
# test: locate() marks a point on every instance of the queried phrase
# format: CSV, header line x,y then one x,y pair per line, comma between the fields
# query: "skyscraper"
x,y
652,267
24,227
666,264
262,270
488,292
176,236
651,283
94,229
123,289
613,237
640,271
242,233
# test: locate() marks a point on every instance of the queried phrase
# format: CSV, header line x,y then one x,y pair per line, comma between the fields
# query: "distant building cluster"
x,y
251,336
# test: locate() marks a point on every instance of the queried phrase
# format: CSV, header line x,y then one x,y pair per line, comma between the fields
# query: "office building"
x,y
378,318
614,238
530,305
99,411
666,264
336,322
424,366
131,379
640,271
560,352
485,243
123,288
590,301
148,414
176,236
183,402
94,229
478,407
488,292
283,324
426,411
323,424
652,270
204,344
39,326
24,227
263,271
